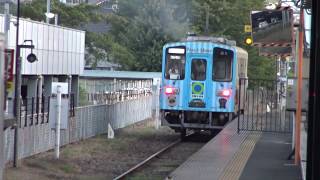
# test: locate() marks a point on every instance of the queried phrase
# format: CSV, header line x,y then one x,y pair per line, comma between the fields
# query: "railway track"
x,y
160,155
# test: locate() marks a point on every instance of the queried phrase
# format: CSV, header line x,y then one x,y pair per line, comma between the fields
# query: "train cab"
x,y
199,83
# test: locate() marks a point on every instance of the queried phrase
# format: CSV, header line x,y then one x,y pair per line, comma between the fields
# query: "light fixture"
x,y
32,58
49,15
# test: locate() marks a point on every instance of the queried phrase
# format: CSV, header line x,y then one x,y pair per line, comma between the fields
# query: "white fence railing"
x,y
87,122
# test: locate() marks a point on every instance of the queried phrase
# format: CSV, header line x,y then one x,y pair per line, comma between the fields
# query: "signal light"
x,y
248,41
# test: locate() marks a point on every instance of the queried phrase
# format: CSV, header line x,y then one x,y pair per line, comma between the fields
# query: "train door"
x,y
197,82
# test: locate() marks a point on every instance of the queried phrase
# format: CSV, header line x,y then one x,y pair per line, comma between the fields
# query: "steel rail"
x,y
123,175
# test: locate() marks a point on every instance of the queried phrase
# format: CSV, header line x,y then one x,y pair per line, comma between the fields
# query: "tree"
x,y
142,27
69,16
227,18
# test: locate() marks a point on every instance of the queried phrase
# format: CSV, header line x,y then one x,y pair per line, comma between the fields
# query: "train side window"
x,y
175,66
198,69
222,64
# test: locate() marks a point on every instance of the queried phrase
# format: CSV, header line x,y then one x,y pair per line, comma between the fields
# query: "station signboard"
x,y
272,26
272,31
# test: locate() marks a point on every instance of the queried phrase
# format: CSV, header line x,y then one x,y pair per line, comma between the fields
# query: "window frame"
x,y
191,69
231,69
166,61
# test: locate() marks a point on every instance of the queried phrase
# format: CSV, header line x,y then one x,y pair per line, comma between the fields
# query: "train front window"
x,y
198,69
175,64
222,64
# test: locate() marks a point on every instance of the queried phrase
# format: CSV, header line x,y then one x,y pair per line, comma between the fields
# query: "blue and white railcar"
x,y
199,88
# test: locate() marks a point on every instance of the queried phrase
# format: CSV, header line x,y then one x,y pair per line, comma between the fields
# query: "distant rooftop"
x,y
120,74
103,65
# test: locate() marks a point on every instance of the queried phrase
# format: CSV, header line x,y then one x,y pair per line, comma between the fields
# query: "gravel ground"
x,y
96,158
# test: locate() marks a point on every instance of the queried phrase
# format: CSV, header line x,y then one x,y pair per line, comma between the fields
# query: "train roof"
x,y
241,51
219,40
191,43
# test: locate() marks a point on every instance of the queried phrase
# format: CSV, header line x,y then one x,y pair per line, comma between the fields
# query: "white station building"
x,y
60,52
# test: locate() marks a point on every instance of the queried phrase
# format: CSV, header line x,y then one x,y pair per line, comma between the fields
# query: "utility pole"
x,y
2,100
6,21
207,21
299,90
16,110
48,11
2,90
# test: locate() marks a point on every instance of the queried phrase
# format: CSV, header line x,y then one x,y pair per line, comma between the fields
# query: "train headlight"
x,y
169,90
225,93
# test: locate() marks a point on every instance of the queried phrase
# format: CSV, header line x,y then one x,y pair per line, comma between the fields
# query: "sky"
x,y
307,27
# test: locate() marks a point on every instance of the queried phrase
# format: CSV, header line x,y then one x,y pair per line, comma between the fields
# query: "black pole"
x,y
313,144
17,107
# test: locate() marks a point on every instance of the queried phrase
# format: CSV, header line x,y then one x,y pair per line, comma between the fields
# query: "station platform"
x,y
243,156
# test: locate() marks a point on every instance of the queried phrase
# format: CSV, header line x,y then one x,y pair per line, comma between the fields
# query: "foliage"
x,y
140,28
69,16
260,67
227,18
83,99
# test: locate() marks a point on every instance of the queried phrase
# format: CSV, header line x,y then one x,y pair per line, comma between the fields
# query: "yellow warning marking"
x,y
235,167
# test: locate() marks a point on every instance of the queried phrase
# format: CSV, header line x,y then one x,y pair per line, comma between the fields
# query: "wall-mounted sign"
x,y
9,67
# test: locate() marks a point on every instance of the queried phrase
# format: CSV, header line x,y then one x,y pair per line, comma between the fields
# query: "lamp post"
x,y
17,102
31,58
50,15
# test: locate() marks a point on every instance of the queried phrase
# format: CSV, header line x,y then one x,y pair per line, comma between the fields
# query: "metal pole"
x,y
48,11
2,100
6,32
40,93
157,105
299,92
6,22
313,144
56,19
17,107
57,150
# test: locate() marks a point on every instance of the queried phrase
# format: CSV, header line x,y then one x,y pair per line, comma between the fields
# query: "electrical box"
x,y
64,87
292,94
64,111
64,115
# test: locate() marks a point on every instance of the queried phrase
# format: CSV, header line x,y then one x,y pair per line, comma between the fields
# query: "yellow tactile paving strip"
x,y
236,165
